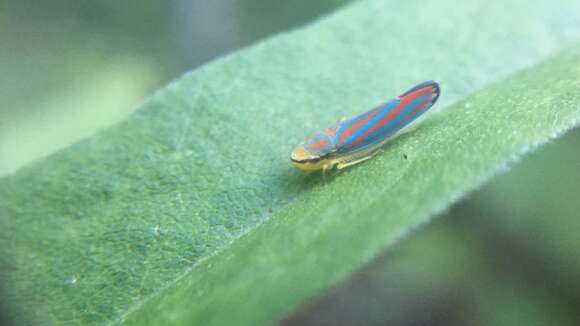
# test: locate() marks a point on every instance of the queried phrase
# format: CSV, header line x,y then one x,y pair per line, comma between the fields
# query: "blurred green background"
x,y
507,255
70,67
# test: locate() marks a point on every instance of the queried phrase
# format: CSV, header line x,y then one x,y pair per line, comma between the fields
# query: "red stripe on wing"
x,y
394,113
318,144
417,109
355,126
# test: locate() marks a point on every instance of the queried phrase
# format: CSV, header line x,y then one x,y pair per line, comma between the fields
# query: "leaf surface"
x,y
145,222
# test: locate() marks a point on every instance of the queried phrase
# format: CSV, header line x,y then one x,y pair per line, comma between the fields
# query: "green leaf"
x,y
507,255
189,212
317,240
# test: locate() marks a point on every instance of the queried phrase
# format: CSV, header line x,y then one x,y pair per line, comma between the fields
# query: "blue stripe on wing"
x,y
390,128
384,111
397,122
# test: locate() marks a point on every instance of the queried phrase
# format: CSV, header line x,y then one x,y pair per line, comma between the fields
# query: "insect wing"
x,y
320,142
384,121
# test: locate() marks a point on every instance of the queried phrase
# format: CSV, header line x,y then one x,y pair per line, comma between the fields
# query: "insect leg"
x,y
325,167
341,166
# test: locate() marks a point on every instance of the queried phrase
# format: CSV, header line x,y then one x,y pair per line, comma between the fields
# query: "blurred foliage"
x,y
71,67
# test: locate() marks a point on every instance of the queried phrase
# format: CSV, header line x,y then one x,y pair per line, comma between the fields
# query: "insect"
x,y
354,140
